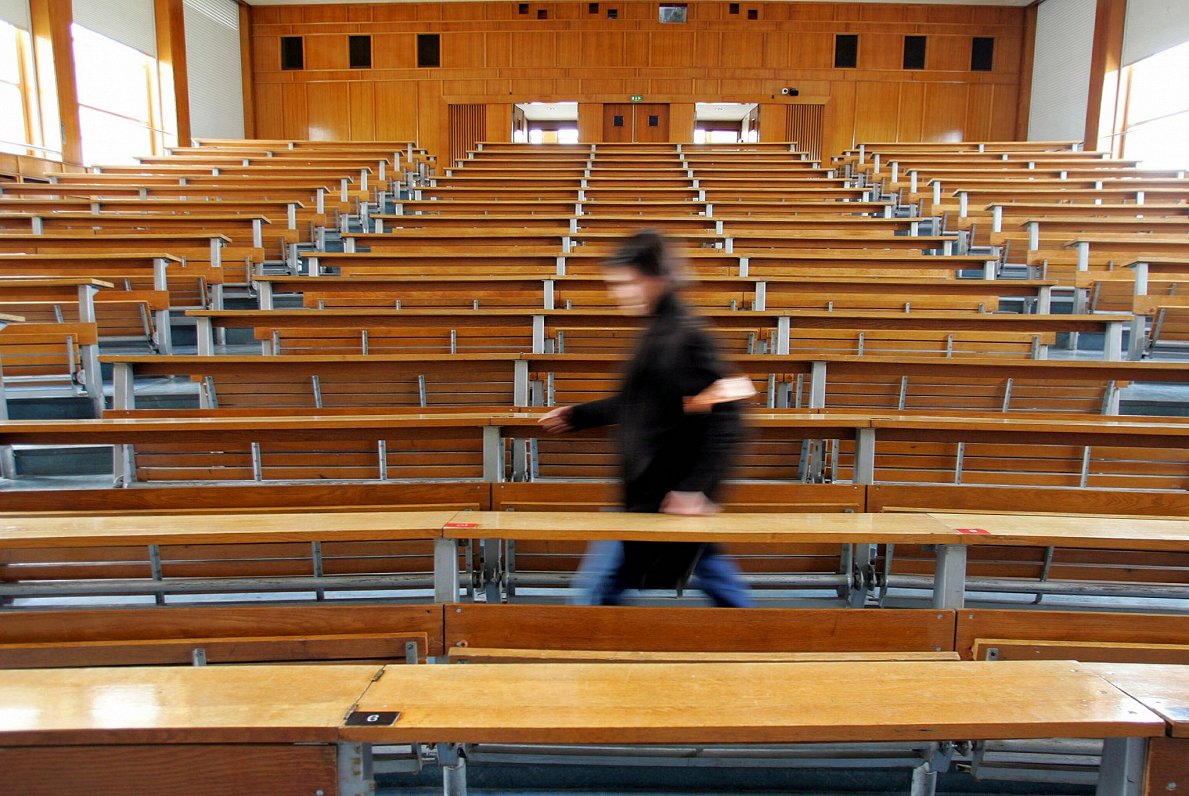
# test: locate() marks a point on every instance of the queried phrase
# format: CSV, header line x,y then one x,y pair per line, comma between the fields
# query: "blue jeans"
x,y
599,581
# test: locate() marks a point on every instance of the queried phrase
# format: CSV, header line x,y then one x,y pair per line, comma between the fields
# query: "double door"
x,y
635,123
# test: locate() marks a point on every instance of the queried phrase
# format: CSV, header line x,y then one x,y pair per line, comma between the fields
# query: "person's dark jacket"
x,y
662,447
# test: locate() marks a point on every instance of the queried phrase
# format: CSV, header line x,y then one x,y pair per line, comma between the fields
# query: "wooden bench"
x,y
474,631
162,730
209,714
259,552
125,314
183,635
54,354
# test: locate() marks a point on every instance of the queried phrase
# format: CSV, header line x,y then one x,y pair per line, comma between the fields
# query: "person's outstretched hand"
x,y
558,420
688,503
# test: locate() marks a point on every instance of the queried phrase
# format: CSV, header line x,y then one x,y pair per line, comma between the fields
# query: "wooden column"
x,y
57,91
1027,54
171,69
248,70
1105,72
682,117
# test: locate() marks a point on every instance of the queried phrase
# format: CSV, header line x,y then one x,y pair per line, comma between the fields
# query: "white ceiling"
x,y
1011,3
549,111
722,111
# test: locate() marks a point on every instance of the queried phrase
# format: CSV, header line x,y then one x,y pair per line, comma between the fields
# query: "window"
x,y
429,52
705,136
674,14
1156,126
846,51
617,121
522,8
542,13
612,13
733,8
593,8
117,98
360,51
562,135
982,54
19,121
914,52
292,52
753,13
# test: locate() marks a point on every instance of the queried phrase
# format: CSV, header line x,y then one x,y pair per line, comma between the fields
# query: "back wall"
x,y
496,54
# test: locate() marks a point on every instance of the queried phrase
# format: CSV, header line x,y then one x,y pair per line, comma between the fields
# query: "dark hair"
x,y
647,252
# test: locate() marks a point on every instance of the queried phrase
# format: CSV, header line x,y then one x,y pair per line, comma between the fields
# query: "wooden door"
x,y
651,124
617,123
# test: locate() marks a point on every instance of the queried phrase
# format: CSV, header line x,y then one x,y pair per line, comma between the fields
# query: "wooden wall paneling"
x,y
427,12
804,126
534,49
1027,53
569,47
394,51
877,111
499,121
980,109
705,88
603,87
248,69
897,13
882,50
456,12
590,122
467,88
1003,114
468,126
945,112
597,47
463,50
363,111
326,52
709,46
808,50
778,50
742,50
951,15
311,15
328,109
636,48
359,13
947,53
432,123
669,49
394,12
823,12
264,15
774,121
294,111
682,116
912,111
1008,51
568,88
270,111
396,112
498,50
839,123
266,54
681,87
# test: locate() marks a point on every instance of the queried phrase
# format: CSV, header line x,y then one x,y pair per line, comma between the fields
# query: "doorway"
x,y
545,122
635,123
726,123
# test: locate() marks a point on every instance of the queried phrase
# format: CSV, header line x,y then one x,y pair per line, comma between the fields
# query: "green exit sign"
x,y
637,98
